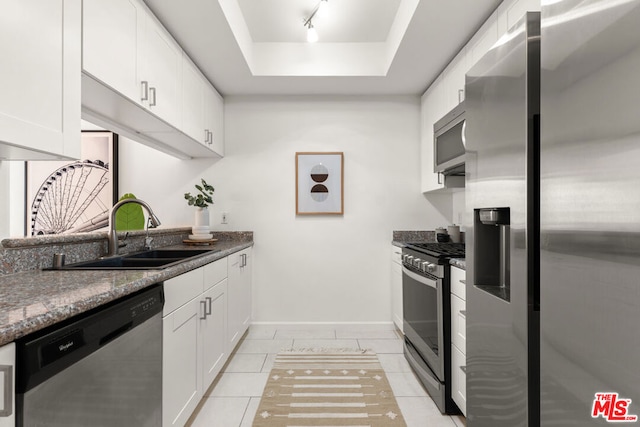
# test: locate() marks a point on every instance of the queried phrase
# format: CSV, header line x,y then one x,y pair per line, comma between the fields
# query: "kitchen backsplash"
x,y
415,236
33,253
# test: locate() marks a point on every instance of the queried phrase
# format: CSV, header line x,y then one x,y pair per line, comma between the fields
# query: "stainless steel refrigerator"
x,y
553,234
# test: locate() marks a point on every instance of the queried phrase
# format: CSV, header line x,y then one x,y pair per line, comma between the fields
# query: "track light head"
x,y
320,10
312,34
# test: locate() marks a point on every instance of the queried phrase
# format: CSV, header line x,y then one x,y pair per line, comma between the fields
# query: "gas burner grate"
x,y
441,250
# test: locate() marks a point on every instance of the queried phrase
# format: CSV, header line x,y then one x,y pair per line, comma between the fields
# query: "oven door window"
x,y
422,305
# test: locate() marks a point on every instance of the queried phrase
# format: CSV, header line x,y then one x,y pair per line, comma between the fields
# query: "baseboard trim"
x,y
324,325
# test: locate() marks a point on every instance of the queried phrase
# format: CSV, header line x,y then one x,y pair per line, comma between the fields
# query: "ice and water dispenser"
x,y
491,251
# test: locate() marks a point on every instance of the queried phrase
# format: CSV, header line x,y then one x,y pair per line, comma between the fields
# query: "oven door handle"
x,y
421,279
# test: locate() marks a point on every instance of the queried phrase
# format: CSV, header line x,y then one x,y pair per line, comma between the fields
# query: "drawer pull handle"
x,y
463,313
463,369
464,282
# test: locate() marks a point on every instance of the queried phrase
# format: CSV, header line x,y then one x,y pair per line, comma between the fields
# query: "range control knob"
x,y
431,268
417,262
425,266
409,259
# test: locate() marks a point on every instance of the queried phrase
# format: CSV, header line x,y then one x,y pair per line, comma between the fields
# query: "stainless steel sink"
x,y
148,260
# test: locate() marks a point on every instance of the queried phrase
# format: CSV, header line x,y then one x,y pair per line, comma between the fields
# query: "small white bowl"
x,y
200,236
200,229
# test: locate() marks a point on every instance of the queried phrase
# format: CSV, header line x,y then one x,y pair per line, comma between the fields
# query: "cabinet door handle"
x,y
463,134
206,136
7,409
204,310
439,175
145,90
460,95
210,138
152,102
208,312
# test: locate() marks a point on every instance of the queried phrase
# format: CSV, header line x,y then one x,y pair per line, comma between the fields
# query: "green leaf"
x,y
203,198
130,215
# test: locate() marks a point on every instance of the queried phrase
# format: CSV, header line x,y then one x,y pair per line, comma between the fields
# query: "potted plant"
x,y
201,200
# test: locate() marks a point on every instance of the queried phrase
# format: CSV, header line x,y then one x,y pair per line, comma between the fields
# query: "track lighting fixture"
x,y
320,10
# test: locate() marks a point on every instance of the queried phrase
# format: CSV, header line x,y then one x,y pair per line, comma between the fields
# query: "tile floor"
x,y
233,401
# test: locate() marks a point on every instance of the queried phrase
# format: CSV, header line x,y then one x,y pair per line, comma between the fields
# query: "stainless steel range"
x,y
427,316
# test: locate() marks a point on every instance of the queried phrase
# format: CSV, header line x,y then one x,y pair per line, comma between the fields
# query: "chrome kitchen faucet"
x,y
113,237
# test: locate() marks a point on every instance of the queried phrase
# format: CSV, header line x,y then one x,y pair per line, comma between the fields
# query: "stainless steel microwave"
x,y
449,143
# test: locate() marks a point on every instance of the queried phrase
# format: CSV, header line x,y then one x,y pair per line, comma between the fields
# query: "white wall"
x,y
306,269
459,208
12,206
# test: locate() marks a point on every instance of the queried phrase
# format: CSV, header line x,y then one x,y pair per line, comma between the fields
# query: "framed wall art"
x,y
73,196
319,183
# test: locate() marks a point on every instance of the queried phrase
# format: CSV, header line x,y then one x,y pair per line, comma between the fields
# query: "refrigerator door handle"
x,y
464,134
504,256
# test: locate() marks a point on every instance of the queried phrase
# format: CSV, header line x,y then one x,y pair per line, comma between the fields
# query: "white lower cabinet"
x,y
396,286
459,379
181,386
458,339
239,299
7,385
197,319
213,324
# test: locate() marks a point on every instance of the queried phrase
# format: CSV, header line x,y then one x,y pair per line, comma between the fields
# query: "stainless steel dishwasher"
x,y
102,368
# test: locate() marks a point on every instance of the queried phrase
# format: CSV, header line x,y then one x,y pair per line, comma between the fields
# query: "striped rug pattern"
x,y
328,388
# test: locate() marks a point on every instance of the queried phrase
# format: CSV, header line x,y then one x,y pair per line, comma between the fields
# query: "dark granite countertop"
x,y
33,300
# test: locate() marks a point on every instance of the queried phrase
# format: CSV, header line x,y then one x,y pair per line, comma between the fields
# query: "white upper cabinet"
x,y
202,108
482,41
432,106
214,119
125,48
40,46
161,72
455,73
510,12
111,37
193,101
137,81
448,89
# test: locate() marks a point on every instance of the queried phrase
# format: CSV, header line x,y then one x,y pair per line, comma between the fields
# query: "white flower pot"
x,y
201,222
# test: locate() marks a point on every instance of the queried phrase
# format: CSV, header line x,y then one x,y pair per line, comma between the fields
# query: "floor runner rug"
x,y
328,388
